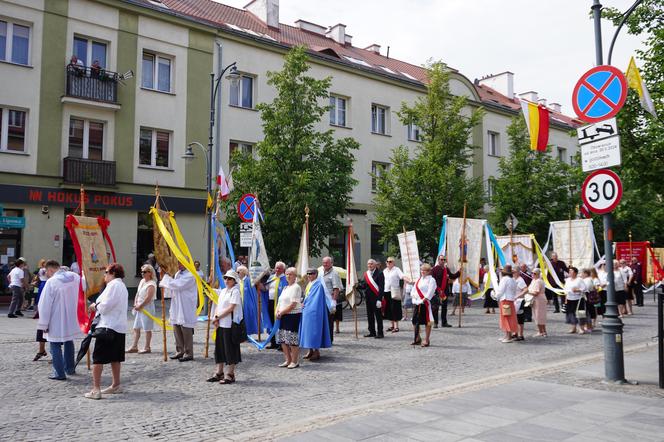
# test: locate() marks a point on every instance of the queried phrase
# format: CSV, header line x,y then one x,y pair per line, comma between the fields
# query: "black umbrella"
x,y
85,343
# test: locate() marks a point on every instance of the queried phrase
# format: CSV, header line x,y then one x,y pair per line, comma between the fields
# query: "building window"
x,y
490,188
378,250
414,132
379,119
239,148
494,144
90,51
12,130
337,111
562,154
86,139
14,42
242,92
154,148
378,170
156,72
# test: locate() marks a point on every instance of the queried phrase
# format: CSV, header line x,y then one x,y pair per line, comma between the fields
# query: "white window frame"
x,y
375,119
490,188
562,153
86,136
153,148
4,131
9,44
334,110
493,142
155,71
376,176
414,133
88,51
239,91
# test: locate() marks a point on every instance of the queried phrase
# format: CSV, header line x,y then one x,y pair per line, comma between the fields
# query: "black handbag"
x,y
238,331
103,334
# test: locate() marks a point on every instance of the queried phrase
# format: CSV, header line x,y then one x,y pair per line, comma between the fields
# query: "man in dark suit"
x,y
561,269
373,284
443,277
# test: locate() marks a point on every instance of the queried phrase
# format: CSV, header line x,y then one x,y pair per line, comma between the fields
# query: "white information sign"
x,y
246,231
600,154
598,131
410,256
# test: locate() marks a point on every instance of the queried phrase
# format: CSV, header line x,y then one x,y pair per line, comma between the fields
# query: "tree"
x,y
533,186
422,186
642,136
296,165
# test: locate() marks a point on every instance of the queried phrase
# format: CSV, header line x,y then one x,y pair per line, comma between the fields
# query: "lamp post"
x,y
234,77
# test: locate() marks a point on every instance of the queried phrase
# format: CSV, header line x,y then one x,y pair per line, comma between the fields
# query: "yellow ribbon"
x,y
306,290
183,255
545,268
277,281
157,320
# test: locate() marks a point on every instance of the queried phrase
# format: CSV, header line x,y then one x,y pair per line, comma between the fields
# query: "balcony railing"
x,y
92,84
93,172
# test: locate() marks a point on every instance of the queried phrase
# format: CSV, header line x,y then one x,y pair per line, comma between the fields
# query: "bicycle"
x,y
359,298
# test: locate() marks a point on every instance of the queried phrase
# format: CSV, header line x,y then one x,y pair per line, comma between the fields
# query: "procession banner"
x,y
521,247
165,258
574,242
472,245
351,274
655,271
410,256
634,249
302,263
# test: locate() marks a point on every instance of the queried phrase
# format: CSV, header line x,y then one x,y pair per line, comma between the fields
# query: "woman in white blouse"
x,y
289,311
574,292
144,302
421,294
393,275
538,291
506,294
229,310
111,307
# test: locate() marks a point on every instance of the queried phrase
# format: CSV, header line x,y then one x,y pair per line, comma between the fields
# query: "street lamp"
x,y
234,77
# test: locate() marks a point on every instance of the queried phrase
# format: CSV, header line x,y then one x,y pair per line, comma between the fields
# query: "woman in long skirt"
x,y
490,304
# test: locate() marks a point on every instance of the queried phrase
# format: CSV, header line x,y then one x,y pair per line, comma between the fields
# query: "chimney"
x,y
337,33
375,48
503,83
530,96
349,40
266,10
542,101
556,107
311,27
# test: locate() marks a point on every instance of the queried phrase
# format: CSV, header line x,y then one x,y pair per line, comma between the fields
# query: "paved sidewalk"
x,y
539,409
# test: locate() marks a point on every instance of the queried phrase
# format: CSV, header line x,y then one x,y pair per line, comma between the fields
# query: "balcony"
x,y
98,85
91,172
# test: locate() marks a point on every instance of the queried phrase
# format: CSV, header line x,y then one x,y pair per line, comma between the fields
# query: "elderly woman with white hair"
x,y
538,291
144,302
289,311
228,310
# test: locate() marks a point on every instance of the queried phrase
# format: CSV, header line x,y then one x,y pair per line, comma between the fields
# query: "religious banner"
x,y
518,249
655,270
574,242
165,258
410,256
471,248
637,249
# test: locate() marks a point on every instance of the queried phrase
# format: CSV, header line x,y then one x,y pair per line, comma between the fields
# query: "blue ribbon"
x,y
229,245
217,269
441,240
262,345
494,241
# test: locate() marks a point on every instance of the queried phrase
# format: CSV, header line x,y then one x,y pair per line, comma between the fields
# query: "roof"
x,y
243,21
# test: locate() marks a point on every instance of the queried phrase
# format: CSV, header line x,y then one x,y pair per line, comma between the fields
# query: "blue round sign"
x,y
245,207
599,94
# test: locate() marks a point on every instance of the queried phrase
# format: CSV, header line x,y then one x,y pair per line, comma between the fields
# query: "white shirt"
x,y
271,286
627,273
392,278
184,294
570,285
602,275
58,307
42,274
228,297
456,286
520,284
590,284
142,291
75,268
112,306
426,285
619,281
16,276
506,290
291,294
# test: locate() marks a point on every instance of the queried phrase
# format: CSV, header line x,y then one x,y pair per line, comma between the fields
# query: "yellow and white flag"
x,y
635,82
351,274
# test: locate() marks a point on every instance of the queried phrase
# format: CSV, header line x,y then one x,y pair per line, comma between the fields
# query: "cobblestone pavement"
x,y
167,400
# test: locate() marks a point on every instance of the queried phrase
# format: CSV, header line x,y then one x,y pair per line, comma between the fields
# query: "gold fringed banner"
x,y
92,254
166,260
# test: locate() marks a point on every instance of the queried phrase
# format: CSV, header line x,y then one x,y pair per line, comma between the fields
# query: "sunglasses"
x,y
312,273
226,278
106,272
390,262
145,271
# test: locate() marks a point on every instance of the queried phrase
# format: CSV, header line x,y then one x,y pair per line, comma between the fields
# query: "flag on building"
x,y
635,82
537,120
222,184
351,273
302,263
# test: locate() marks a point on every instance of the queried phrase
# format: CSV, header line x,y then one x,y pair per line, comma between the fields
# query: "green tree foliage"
x,y
641,135
533,186
296,165
422,186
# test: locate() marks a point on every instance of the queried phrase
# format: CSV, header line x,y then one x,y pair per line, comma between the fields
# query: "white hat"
x,y
232,274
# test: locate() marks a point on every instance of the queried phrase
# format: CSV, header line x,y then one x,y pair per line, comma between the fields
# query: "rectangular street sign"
x,y
12,222
600,154
246,231
598,131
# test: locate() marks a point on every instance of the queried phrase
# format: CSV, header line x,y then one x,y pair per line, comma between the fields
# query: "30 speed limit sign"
x,y
602,191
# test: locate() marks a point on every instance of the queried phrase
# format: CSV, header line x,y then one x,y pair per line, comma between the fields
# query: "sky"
x,y
547,44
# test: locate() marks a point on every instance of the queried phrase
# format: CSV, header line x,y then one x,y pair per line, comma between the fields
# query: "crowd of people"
x,y
299,319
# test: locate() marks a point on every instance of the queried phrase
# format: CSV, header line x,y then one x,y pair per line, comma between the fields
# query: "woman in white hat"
x,y
229,310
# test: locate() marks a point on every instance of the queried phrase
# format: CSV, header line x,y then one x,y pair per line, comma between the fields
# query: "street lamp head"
x,y
233,76
188,153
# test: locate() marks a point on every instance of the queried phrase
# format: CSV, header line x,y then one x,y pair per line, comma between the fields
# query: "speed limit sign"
x,y
602,191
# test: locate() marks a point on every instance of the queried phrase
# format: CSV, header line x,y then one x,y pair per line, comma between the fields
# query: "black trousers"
x,y
435,308
373,314
443,312
270,312
552,296
638,294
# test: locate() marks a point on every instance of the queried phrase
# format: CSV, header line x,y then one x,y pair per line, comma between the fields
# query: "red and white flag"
x,y
584,212
222,184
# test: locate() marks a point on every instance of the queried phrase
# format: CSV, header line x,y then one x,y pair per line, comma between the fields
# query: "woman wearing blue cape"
x,y
315,326
249,301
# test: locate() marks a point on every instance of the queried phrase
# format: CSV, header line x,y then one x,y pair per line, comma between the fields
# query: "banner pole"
x,y
355,320
80,264
463,259
211,276
163,301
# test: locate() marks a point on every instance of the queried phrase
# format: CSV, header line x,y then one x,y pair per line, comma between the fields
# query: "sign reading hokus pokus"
x,y
410,256
91,251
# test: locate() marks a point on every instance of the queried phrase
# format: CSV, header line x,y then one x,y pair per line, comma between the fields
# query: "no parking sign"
x,y
599,94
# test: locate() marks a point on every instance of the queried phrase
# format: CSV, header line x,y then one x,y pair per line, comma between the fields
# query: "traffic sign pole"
x,y
612,326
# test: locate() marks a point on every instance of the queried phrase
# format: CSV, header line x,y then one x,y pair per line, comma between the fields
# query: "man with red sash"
x,y
374,283
443,277
423,291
